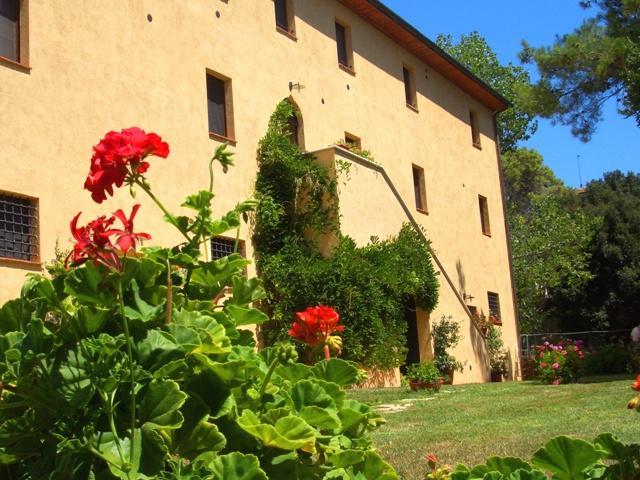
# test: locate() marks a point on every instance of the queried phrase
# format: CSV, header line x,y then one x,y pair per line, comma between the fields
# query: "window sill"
x,y
412,107
21,67
347,69
17,263
422,211
287,33
487,234
222,138
477,145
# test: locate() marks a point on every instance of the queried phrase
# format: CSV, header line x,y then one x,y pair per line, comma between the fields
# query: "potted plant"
x,y
446,335
424,375
497,354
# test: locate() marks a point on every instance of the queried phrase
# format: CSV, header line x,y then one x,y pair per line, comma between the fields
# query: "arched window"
x,y
296,125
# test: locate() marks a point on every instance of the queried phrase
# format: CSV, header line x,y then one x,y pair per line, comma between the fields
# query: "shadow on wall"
x,y
373,45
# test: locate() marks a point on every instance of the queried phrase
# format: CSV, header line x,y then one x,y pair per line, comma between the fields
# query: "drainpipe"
x,y
508,240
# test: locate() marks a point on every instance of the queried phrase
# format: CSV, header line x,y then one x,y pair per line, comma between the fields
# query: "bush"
x,y
138,365
425,372
446,335
559,363
607,359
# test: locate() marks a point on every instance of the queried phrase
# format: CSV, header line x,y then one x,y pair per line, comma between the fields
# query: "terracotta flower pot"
x,y
448,376
419,385
496,377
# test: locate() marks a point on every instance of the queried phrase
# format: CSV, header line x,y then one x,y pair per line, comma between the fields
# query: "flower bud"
x,y
634,404
132,191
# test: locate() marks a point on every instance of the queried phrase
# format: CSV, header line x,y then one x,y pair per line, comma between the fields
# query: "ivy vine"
x,y
370,286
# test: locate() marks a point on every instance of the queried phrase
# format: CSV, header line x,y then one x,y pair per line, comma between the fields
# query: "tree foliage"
x,y
549,246
516,124
598,61
369,286
610,300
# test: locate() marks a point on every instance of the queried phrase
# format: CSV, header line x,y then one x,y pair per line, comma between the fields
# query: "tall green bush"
x,y
369,286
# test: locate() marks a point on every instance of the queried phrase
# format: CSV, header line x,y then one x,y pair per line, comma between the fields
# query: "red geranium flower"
x,y
118,154
316,325
93,241
636,386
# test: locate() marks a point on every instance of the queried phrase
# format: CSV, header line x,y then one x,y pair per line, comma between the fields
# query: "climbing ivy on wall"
x,y
369,286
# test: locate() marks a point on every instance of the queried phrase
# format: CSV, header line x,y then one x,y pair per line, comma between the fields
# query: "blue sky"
x,y
504,23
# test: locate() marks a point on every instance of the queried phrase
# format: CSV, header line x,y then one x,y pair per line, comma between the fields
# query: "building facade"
x,y
202,72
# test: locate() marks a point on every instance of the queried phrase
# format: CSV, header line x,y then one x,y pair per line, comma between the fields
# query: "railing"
x,y
591,338
365,162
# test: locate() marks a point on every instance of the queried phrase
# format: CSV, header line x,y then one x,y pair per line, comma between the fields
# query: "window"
x,y
475,129
224,246
10,29
484,215
343,42
419,189
410,87
19,228
352,141
284,16
220,106
494,304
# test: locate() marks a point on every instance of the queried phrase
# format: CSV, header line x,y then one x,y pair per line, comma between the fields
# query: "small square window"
x,y
224,246
475,129
419,189
494,304
284,16
343,44
352,141
14,40
409,79
220,106
19,228
484,215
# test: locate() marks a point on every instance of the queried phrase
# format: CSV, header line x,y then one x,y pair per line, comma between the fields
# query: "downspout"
x,y
380,169
508,238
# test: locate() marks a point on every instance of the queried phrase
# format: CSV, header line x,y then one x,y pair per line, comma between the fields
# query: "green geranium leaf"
x,y
90,285
308,392
492,476
110,450
75,381
143,311
158,349
197,435
154,452
504,465
15,315
246,316
237,466
90,319
246,290
527,475
613,448
213,276
160,405
198,201
288,433
324,419
346,458
375,467
566,458
336,371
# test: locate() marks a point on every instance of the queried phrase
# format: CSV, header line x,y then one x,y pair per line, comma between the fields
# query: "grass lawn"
x,y
468,423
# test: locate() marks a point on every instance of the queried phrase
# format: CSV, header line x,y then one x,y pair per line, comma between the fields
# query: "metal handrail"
x,y
365,162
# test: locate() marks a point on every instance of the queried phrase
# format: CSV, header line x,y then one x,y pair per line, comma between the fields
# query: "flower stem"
x,y
267,377
159,204
125,325
327,352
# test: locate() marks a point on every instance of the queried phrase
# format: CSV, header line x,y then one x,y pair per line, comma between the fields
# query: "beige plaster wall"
x,y
96,68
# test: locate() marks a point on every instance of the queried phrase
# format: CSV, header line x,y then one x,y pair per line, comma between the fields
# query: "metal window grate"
x,y
222,247
494,304
18,228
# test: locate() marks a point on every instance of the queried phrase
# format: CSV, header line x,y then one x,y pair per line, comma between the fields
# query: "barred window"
x,y
494,304
18,228
223,246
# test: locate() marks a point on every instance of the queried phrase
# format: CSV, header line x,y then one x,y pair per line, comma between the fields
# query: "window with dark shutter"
x,y
484,215
409,87
18,228
216,106
341,41
282,15
475,129
419,189
224,246
494,304
10,29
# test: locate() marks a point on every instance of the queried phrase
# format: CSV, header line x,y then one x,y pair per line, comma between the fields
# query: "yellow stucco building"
x,y
202,72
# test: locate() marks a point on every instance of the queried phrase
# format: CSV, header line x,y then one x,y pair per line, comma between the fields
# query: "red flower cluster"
x,y
636,386
115,154
93,242
315,325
